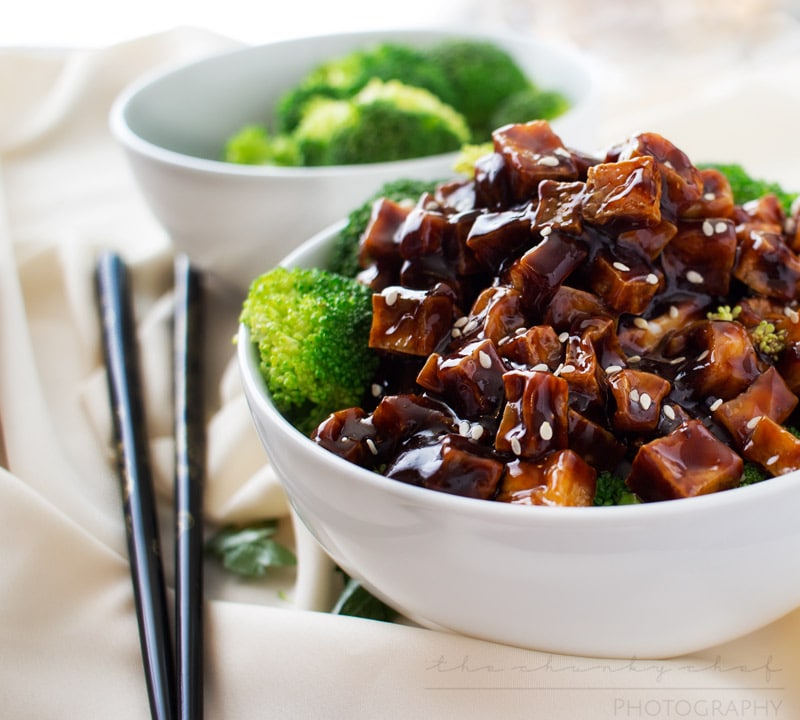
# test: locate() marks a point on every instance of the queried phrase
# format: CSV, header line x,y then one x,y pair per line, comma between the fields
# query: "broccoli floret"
x,y
342,77
385,121
768,339
530,104
725,312
469,155
752,473
312,331
746,188
253,145
612,490
482,75
345,248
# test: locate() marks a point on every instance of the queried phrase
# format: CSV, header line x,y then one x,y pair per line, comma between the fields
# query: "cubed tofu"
x,y
625,191
411,322
689,461
563,478
534,422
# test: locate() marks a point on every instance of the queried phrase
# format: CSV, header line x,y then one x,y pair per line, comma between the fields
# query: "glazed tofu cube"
x,y
496,314
682,184
494,237
572,305
768,396
541,270
470,380
410,322
648,240
689,461
349,434
559,207
726,362
767,265
563,478
628,191
773,447
538,345
626,284
701,256
637,399
451,464
533,152
379,242
534,420
581,369
717,197
596,445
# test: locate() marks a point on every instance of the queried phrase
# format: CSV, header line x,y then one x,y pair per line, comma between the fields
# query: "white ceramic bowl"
x,y
238,220
635,581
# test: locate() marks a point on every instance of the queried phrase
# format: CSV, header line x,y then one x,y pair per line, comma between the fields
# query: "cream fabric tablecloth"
x,y
68,634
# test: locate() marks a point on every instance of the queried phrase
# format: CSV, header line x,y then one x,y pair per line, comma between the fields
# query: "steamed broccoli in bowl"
x,y
385,121
312,331
390,101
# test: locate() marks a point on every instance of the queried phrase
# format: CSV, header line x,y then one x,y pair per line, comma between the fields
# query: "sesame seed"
x,y
634,358
622,267
645,401
677,360
549,160
541,367
371,445
634,395
376,390
709,196
772,460
613,369
641,323
752,422
792,314
558,370
520,331
669,411
463,428
545,231
694,277
651,279
702,356
516,448
456,333
673,312
721,226
708,228
391,297
461,321
477,432
470,326
484,359
715,405
563,337
546,431
566,369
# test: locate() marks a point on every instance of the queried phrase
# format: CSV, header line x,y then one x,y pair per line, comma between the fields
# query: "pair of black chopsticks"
x,y
173,669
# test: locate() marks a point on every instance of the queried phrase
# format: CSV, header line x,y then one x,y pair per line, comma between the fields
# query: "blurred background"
x,y
654,26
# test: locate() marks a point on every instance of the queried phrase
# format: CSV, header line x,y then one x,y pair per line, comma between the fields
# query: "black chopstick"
x,y
133,465
188,353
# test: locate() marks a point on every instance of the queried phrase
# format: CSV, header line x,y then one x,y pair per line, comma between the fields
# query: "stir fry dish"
x,y
565,328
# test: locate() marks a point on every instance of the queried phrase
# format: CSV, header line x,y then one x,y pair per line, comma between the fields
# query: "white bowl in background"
x,y
636,581
238,220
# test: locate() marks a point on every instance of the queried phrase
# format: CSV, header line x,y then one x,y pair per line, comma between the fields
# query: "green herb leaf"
x,y
357,601
250,550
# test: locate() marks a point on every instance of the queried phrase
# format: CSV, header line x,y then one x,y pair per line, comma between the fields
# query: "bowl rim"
x,y
128,138
642,514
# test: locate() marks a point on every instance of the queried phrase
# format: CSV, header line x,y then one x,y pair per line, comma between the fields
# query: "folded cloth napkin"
x,y
68,633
